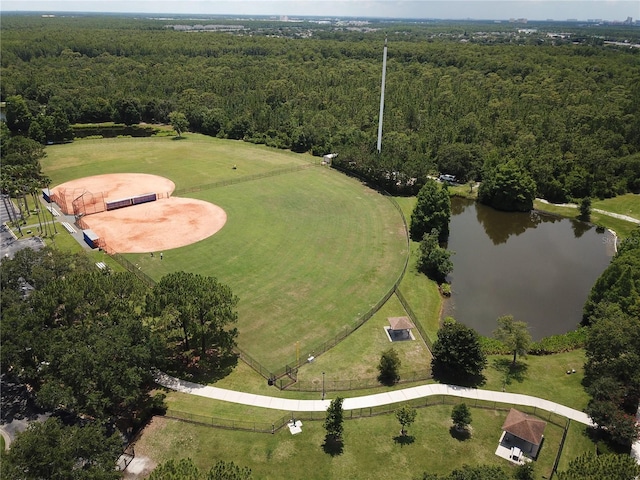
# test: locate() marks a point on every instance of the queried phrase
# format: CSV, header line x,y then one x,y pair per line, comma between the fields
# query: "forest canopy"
x,y
566,112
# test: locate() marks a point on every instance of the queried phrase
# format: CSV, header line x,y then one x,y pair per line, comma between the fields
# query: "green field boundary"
x,y
414,319
560,448
244,178
216,422
287,375
361,383
143,277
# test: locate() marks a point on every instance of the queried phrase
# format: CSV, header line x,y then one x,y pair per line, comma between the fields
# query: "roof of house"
x,y
400,323
524,426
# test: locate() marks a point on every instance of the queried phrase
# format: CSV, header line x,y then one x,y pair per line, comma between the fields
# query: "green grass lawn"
x,y
576,443
543,376
357,357
540,376
194,160
381,456
421,293
307,252
628,204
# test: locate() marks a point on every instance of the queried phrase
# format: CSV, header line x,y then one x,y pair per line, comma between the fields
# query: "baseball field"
x,y
306,249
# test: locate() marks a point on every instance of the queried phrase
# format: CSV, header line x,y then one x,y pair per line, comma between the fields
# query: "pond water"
x,y
534,266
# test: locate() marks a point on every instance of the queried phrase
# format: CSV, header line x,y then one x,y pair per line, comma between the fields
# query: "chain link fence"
x,y
265,427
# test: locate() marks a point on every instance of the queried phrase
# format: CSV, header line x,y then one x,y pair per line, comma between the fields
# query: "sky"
x,y
443,9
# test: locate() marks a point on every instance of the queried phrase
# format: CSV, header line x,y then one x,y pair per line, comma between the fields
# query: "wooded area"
x,y
566,112
564,116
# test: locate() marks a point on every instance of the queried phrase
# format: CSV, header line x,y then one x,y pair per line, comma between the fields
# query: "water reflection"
x,y
580,228
499,226
537,267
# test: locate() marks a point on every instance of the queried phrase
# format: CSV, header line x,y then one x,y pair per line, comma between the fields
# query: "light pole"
x,y
323,385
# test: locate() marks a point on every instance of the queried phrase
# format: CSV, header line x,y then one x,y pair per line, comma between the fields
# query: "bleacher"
x,y
53,211
69,227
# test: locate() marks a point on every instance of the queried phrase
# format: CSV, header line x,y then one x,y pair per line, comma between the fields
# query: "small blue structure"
x,y
91,238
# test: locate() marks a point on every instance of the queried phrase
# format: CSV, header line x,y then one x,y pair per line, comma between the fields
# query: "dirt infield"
x,y
112,186
149,227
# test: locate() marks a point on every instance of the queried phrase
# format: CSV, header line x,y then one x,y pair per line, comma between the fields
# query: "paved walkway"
x,y
368,401
378,399
7,438
603,212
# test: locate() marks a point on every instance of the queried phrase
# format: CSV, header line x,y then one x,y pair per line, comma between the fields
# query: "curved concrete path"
x,y
603,212
7,438
368,401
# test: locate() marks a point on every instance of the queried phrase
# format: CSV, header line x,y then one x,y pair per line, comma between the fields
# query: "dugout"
x,y
147,197
91,238
122,203
46,194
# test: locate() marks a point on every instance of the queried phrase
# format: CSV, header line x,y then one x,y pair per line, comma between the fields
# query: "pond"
x,y
534,266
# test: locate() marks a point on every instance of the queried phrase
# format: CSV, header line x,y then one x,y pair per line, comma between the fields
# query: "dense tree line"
x,y
54,451
569,115
619,284
612,312
85,343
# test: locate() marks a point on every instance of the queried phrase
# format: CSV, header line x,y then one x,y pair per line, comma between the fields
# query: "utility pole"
x,y
384,74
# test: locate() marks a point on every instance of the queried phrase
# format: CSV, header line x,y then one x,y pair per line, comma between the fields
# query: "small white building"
x,y
326,159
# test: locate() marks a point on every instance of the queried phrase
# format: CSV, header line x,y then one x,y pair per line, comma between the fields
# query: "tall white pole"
x,y
384,74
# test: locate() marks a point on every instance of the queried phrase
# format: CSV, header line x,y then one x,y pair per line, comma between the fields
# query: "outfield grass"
x,y
434,448
194,160
307,252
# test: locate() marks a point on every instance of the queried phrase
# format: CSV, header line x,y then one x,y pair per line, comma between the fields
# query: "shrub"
x,y
560,343
564,342
389,367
